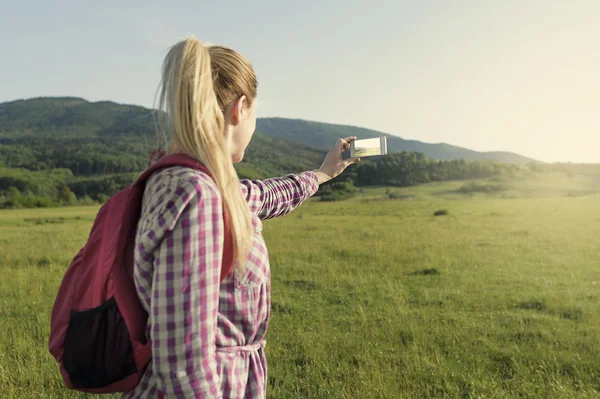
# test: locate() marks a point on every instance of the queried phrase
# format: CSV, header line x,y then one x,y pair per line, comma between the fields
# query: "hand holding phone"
x,y
333,164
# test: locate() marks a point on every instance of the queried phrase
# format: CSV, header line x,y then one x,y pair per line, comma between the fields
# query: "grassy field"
x,y
375,297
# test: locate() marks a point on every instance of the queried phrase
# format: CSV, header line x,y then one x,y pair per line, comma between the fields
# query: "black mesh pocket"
x,y
97,347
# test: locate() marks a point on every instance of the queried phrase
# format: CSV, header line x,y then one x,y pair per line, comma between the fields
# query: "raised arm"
x,y
279,196
185,300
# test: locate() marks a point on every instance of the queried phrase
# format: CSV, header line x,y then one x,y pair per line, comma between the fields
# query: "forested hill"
x,y
67,150
107,138
69,117
321,135
75,118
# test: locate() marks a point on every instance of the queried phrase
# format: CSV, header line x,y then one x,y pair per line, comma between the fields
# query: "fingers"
x,y
344,144
350,161
341,145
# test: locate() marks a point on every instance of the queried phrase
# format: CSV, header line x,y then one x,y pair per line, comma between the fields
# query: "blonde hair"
x,y
198,84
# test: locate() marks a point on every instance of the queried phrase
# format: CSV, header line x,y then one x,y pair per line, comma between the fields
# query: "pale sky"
x,y
515,75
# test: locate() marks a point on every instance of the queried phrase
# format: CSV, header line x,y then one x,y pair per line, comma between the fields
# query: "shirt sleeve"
x,y
185,295
279,196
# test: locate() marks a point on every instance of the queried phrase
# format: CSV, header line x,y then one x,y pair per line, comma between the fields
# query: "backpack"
x,y
98,325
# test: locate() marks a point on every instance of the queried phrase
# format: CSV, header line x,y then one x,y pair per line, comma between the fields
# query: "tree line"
x,y
410,169
22,187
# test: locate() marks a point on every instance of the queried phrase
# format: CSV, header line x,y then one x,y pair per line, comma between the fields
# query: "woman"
x,y
209,336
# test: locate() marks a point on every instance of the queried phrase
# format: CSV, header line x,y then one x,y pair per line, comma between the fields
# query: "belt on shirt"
x,y
243,348
234,349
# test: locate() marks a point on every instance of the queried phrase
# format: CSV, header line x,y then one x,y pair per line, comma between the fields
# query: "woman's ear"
x,y
237,110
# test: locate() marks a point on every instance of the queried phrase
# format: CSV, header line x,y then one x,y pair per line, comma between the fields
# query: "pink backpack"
x,y
97,330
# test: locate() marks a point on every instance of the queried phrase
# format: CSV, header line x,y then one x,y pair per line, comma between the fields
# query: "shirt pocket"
x,y
257,262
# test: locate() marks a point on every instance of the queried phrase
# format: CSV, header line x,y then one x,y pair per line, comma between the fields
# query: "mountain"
x,y
57,151
76,118
70,117
322,135
107,138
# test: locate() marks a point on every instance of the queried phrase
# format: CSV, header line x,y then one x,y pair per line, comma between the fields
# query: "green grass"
x,y
375,297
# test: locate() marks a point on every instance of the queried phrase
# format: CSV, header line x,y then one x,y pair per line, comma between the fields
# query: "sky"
x,y
510,75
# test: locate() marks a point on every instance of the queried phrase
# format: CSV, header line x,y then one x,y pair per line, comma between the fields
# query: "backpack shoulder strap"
x,y
187,161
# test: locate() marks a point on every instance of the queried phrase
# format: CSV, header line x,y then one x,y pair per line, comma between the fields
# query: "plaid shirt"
x,y
208,336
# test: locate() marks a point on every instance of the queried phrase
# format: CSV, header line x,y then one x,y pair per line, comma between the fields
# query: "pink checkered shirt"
x,y
208,337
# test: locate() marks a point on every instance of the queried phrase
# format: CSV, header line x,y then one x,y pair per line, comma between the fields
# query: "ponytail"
x,y
193,119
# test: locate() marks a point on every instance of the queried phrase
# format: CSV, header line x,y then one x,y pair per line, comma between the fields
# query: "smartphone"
x,y
368,147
